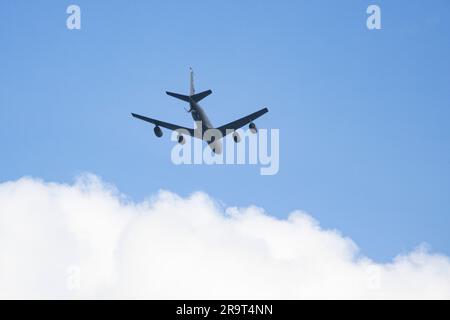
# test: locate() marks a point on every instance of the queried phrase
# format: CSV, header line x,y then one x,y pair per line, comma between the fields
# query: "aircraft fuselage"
x,y
198,114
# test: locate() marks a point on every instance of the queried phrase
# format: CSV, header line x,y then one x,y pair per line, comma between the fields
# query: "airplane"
x,y
198,114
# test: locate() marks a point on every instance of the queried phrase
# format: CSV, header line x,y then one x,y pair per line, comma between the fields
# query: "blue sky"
x,y
363,115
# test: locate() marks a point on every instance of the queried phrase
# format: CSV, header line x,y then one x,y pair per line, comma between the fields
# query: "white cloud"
x,y
88,241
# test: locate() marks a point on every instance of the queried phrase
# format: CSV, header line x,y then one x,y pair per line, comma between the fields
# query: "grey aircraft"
x,y
198,114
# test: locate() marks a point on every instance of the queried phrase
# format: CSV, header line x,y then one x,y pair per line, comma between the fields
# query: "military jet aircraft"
x,y
198,114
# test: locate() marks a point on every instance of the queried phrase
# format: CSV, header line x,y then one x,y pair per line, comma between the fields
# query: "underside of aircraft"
x,y
200,117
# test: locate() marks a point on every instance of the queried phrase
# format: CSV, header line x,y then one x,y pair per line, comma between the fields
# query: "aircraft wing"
x,y
163,124
242,122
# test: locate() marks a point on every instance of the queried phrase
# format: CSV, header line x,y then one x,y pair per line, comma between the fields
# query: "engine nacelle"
x,y
252,127
158,132
216,147
236,137
181,139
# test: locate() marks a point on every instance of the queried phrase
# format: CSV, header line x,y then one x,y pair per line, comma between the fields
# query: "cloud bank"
x,y
86,240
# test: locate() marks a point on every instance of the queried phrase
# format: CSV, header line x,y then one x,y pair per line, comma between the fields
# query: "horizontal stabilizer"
x,y
200,96
195,97
178,96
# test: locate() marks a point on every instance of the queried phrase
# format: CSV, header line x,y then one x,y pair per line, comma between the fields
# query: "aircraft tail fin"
x,y
192,88
196,97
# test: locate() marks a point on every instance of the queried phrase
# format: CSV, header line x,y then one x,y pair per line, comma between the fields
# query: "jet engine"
x,y
252,127
181,139
158,132
236,137
216,147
